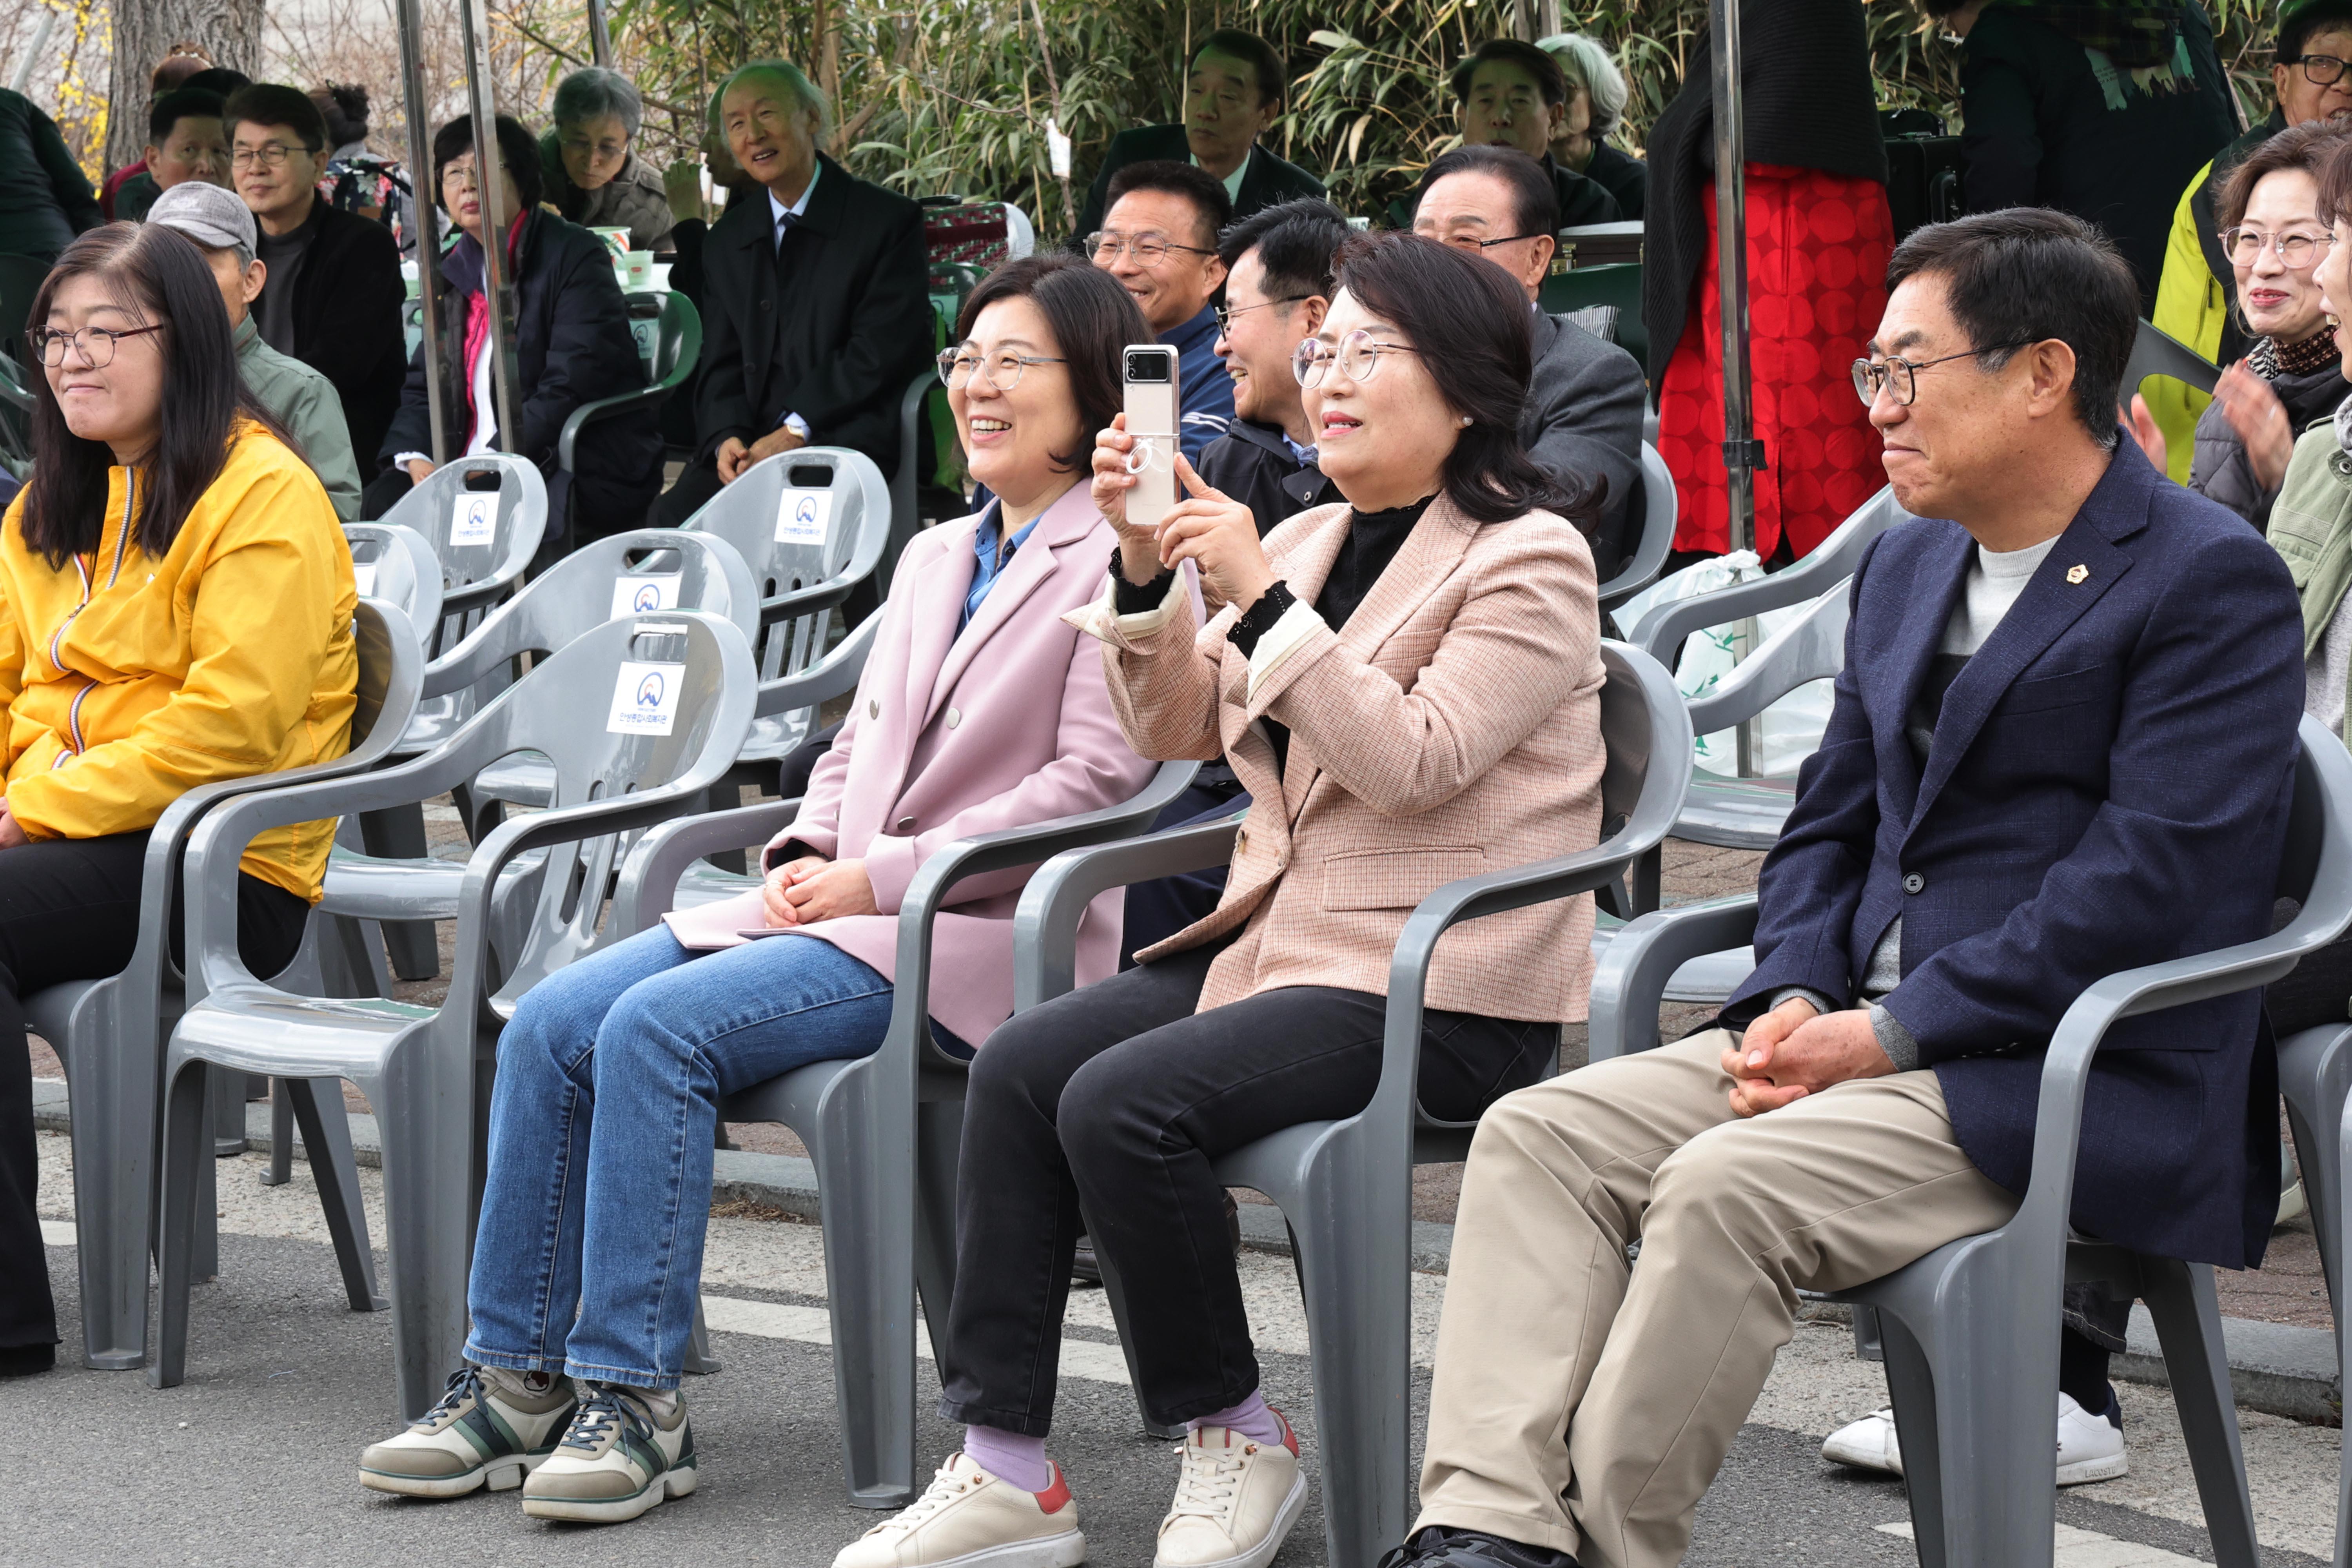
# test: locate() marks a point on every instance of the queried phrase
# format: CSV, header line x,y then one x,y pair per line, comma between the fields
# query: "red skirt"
x,y
1817,251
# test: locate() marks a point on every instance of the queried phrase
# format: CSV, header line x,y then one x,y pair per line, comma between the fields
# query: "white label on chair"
x,y
802,517
363,574
636,595
645,698
474,518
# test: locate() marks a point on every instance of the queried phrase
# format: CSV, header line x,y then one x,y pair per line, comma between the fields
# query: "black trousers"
x,y
69,910
1117,1097
695,486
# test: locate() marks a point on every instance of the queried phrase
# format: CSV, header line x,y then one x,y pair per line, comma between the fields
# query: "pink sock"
x,y
1253,1418
1010,1457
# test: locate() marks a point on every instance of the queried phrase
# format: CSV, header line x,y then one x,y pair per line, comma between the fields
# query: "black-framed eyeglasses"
x,y
2319,70
1470,242
1149,249
1225,313
1002,373
95,344
1901,375
2296,250
1358,355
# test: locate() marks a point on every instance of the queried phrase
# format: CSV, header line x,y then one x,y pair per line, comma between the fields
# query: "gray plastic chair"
x,y
906,515
646,570
1346,1186
395,563
2315,1078
1659,508
425,1070
109,1033
2158,352
478,571
1661,632
801,578
883,1130
1970,1330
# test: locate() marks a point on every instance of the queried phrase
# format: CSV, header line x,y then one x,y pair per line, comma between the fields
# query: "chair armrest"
x,y
1046,923
807,601
986,852
477,656
474,596
647,886
1629,981
604,407
828,678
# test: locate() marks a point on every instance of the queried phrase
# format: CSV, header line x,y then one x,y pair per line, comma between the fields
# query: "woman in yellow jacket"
x,y
176,608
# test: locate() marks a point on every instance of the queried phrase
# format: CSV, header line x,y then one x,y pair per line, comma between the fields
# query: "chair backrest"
x,y
391,667
2306,822
905,519
648,570
2158,352
1617,285
1810,647
396,564
1647,739
677,342
628,706
1660,507
480,536
1832,561
818,515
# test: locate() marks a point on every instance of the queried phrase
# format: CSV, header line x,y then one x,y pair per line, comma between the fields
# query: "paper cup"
x,y
638,271
617,240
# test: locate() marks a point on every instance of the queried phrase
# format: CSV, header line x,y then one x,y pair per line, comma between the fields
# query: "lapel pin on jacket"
x,y
2076,574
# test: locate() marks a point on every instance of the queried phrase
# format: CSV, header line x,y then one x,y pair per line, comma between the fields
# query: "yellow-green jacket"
x,y
127,681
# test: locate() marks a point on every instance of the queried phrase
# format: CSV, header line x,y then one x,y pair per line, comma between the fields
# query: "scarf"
x,y
464,268
2132,45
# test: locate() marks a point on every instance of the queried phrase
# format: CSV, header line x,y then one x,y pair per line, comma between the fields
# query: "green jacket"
x,y
2311,528
305,403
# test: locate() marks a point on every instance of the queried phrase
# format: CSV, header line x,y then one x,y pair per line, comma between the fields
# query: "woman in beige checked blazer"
x,y
1408,685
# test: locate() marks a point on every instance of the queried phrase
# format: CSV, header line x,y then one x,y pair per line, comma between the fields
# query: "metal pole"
x,y
424,219
1742,454
473,17
23,75
600,33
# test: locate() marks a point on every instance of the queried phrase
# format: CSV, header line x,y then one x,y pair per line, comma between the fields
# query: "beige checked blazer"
x,y
1452,728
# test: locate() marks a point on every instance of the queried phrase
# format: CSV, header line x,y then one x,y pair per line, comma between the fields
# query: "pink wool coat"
x,y
1007,725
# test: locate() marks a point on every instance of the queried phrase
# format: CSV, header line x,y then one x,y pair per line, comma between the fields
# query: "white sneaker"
x,y
616,1460
973,1519
1236,1499
486,1431
2090,1447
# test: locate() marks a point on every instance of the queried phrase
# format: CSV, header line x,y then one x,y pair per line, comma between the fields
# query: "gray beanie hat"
x,y
213,217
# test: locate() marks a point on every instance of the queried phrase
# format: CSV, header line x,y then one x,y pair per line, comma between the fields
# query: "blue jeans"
x,y
601,1130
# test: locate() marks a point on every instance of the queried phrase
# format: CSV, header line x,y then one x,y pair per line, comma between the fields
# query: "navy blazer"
x,y
2108,787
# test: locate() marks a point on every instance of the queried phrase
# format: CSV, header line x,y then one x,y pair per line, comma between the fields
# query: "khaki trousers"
x,y
1584,1404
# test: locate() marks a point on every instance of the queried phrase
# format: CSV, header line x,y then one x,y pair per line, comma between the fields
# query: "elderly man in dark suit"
x,y
1583,416
2061,746
1233,92
815,309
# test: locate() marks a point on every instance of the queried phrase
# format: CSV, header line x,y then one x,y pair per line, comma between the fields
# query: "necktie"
x,y
784,222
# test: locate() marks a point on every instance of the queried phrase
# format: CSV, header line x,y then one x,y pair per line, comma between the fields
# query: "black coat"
x,y
348,299
44,199
1267,182
572,346
1807,98
851,294
2220,471
1252,463
1624,177
2040,133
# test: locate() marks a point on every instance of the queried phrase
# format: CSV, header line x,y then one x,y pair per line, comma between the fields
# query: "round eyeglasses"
x,y
1358,355
95,344
1002,373
2297,250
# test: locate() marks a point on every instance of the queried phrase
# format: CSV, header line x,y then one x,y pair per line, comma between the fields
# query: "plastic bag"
x,y
1791,728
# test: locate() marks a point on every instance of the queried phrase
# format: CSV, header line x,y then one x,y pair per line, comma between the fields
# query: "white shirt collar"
x,y
1233,182
776,209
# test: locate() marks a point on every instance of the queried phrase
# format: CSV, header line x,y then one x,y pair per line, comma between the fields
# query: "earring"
x,y
1464,421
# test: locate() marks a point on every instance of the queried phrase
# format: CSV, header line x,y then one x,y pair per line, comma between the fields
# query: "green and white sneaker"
x,y
617,1460
489,1430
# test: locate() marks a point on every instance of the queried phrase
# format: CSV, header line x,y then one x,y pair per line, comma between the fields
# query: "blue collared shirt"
x,y
1206,392
988,561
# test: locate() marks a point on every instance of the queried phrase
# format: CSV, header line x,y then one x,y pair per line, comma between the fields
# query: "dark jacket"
x,y
2040,133
1252,464
1624,177
833,330
2220,471
348,300
1268,180
572,346
2107,787
44,199
1807,95
1581,200
1583,421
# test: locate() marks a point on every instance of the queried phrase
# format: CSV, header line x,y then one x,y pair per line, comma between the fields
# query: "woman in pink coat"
x,y
981,709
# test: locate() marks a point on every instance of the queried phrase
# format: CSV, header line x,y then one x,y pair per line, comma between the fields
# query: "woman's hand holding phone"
x,y
1219,535
1138,548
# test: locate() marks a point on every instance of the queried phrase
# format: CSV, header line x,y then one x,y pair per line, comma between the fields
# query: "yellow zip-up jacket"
x,y
127,681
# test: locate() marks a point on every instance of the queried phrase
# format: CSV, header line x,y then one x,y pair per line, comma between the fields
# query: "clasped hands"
x,y
811,888
1794,1051
733,457
1217,534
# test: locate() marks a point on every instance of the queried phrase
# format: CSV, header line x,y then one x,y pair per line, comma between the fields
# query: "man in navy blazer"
x,y
2061,746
